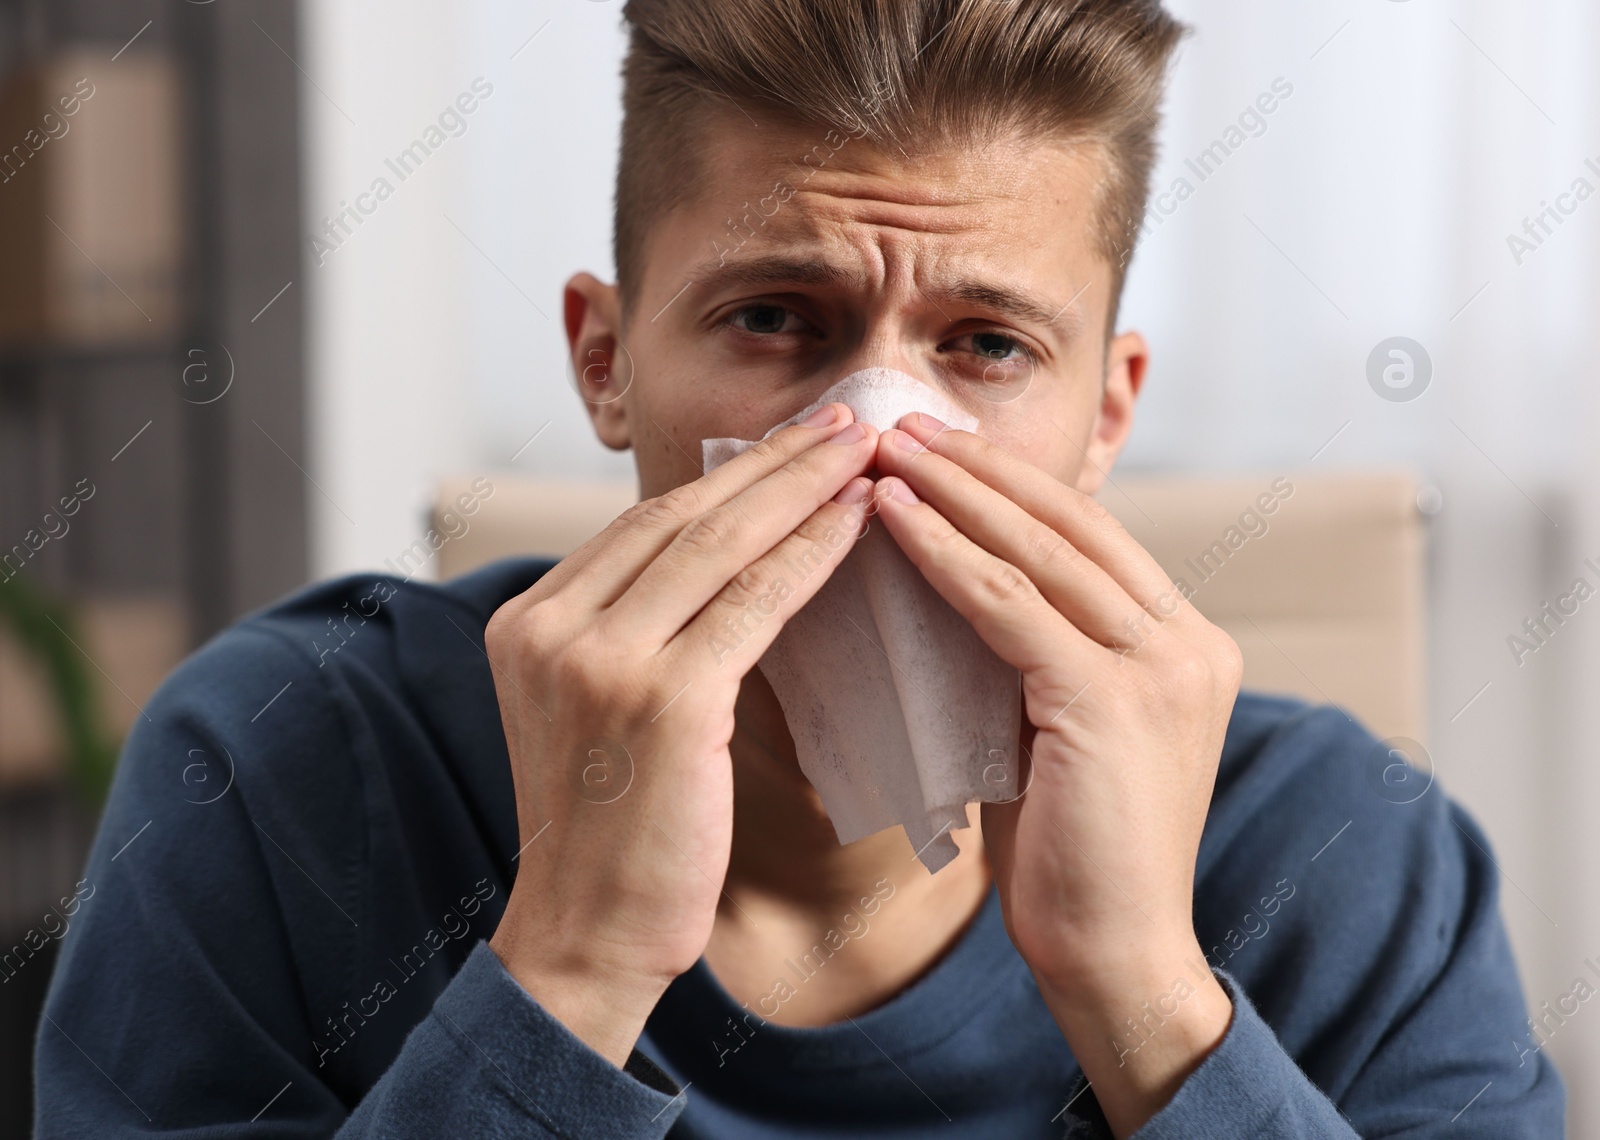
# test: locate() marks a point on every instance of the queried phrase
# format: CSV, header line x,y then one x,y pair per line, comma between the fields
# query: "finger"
x,y
710,550
739,624
999,601
1070,581
1079,518
599,571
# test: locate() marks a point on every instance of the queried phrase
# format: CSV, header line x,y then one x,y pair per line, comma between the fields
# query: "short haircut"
x,y
896,73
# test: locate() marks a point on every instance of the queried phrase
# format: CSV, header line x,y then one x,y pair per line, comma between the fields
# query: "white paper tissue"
x,y
900,713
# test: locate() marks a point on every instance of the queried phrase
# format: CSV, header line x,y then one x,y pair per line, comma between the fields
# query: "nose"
x,y
883,346
887,382
880,331
880,396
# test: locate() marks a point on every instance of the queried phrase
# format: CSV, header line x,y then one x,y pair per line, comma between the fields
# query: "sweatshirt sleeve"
x,y
222,913
490,1061
1387,1001
1248,1086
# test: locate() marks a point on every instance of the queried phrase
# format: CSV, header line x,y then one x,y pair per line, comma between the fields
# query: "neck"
x,y
796,899
785,846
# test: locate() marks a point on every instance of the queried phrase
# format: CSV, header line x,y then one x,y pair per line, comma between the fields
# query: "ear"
x,y
1127,356
600,361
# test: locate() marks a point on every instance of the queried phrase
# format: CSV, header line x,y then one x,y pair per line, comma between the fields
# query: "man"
x,y
1197,921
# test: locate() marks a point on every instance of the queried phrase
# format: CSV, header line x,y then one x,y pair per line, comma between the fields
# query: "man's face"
x,y
811,255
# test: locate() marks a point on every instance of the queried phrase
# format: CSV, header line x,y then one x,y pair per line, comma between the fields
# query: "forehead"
x,y
1024,204
1002,166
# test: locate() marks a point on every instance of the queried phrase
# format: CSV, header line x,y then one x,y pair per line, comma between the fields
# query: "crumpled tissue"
x,y
900,713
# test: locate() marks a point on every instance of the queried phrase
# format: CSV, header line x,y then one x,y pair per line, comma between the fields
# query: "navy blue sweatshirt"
x,y
280,933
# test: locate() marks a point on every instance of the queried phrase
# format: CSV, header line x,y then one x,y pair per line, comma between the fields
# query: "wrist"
x,y
604,1004
1104,972
1139,1019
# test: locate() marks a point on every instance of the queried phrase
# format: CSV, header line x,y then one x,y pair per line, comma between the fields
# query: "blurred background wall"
x,y
313,358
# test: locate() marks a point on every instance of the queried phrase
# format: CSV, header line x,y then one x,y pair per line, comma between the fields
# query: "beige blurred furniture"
x,y
1324,594
1326,601
519,515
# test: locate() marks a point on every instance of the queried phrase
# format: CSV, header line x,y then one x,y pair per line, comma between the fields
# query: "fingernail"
x,y
854,433
928,423
822,416
906,442
901,491
854,491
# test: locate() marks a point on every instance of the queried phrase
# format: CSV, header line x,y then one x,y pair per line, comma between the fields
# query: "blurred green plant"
x,y
45,628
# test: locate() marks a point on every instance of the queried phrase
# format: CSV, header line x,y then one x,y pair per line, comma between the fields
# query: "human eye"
x,y
765,319
992,346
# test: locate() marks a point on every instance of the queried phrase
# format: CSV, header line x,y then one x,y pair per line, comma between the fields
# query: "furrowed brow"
x,y
773,270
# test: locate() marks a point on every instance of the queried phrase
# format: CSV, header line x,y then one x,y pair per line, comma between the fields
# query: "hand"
x,y
617,674
1127,692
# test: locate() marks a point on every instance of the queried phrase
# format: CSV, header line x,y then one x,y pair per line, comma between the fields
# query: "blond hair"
x,y
895,73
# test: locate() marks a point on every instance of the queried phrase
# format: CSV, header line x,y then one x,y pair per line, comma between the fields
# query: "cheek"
x,y
666,456
1046,432
666,423
676,401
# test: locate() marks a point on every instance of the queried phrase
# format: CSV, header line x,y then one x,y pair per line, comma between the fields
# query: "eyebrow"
x,y
1008,301
776,269
779,269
